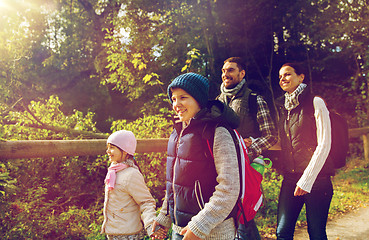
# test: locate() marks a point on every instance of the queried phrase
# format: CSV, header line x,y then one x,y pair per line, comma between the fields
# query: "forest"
x,y
75,69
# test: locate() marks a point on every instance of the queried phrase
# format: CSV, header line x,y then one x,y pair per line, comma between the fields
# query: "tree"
x,y
99,55
54,49
324,35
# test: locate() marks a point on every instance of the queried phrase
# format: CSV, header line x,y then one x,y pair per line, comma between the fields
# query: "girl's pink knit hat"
x,y
125,140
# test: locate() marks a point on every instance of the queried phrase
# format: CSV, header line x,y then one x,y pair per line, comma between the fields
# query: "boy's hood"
x,y
217,111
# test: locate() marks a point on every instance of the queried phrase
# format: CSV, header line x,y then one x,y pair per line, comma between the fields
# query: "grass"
x,y
351,191
351,188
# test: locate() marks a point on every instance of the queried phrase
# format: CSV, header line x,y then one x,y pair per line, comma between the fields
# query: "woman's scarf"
x,y
292,100
230,92
112,174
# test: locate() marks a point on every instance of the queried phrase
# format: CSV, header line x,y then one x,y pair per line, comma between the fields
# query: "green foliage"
x,y
42,117
266,216
6,183
36,221
55,198
271,181
351,187
160,99
127,70
52,197
7,188
193,63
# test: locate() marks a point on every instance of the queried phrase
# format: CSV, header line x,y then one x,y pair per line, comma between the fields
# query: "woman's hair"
x,y
298,67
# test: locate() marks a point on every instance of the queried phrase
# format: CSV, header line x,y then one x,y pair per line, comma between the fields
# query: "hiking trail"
x,y
353,225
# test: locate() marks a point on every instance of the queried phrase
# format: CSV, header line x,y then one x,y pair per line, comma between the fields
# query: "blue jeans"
x,y
248,231
317,204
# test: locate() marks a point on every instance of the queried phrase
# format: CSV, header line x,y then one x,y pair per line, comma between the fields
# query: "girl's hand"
x,y
299,192
159,232
188,235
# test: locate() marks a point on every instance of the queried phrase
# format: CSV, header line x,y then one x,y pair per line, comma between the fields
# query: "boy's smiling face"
x,y
184,104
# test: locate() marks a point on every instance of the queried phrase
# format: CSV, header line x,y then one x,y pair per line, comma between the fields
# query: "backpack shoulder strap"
x,y
208,136
208,133
253,103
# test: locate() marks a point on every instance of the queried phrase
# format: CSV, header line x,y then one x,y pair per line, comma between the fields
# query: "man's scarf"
x,y
230,92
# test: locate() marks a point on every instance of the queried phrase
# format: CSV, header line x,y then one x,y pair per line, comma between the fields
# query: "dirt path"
x,y
350,226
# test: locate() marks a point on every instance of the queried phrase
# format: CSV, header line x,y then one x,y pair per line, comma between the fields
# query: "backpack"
x,y
340,139
251,197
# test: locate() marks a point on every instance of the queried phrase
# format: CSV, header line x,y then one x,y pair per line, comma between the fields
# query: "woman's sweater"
x,y
323,133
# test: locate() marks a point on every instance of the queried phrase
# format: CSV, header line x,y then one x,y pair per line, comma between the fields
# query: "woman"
x,y
305,131
201,189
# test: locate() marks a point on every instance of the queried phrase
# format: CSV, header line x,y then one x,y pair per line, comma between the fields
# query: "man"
x,y
256,126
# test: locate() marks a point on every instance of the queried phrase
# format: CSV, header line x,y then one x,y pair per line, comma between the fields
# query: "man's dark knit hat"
x,y
194,84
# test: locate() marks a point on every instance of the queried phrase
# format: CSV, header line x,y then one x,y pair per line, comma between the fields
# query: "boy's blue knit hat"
x,y
194,84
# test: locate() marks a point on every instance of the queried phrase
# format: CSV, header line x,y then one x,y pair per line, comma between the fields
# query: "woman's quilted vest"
x,y
298,137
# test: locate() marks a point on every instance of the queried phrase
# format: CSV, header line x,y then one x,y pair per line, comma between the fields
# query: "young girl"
x,y
201,189
305,132
128,201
